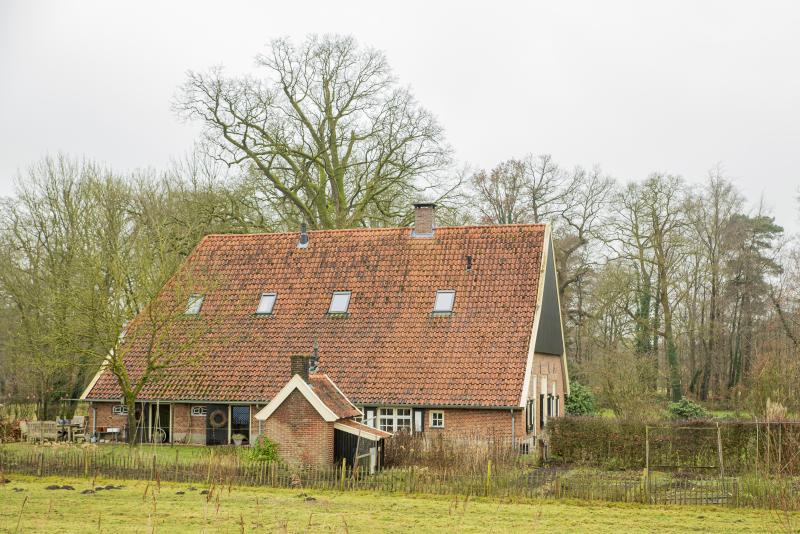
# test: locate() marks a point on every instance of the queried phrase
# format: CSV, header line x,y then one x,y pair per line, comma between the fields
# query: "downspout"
x,y
513,434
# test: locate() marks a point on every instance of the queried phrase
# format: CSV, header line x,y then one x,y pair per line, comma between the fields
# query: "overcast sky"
x,y
634,87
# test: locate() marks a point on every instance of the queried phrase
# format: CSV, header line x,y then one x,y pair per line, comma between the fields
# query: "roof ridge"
x,y
380,229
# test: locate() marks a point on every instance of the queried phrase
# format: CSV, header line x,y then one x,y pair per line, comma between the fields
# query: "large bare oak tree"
x,y
327,132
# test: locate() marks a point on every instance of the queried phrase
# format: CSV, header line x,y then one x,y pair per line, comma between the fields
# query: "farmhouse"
x,y
424,329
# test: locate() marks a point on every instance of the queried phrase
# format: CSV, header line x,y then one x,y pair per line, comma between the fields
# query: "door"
x,y
160,415
240,424
217,424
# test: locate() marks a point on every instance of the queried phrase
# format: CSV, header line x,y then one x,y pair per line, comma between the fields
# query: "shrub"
x,y
686,409
625,381
580,401
264,450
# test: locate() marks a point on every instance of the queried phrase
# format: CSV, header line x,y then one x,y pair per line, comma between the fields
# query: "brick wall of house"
x,y
549,367
478,423
104,417
302,435
187,428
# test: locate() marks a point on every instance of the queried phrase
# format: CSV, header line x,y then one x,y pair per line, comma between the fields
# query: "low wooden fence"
x,y
516,483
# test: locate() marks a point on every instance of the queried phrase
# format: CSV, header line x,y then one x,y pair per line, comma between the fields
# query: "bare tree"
x,y
501,193
711,215
328,134
548,187
665,205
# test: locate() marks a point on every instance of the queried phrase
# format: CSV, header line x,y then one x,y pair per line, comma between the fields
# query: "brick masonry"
x,y
105,417
551,368
302,435
424,219
478,423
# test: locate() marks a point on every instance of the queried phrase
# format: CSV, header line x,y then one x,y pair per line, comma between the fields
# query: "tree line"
x,y
668,289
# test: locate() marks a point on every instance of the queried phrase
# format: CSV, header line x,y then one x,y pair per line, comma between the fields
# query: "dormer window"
x,y
445,298
266,303
340,301
194,305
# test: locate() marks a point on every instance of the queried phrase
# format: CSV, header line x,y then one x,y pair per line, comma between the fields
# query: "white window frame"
x,y
119,409
343,296
199,411
269,299
195,304
445,301
432,423
393,419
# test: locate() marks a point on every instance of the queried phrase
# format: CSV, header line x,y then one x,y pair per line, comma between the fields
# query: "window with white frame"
x,y
194,304
340,301
437,419
445,298
266,303
199,411
394,419
119,409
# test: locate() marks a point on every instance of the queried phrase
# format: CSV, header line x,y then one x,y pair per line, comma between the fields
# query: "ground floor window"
x,y
394,419
437,419
240,424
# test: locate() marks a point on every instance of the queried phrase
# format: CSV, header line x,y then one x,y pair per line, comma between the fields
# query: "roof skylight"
x,y
194,305
340,301
445,298
266,303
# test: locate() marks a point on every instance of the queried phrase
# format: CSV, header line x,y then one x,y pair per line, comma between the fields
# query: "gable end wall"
x,y
302,435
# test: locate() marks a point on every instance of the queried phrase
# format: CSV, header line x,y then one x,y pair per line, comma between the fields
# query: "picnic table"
x,y
66,429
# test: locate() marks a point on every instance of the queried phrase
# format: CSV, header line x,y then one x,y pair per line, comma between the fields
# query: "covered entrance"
x,y
154,422
227,424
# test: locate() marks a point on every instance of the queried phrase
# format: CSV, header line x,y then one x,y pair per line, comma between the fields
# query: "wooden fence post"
x,y
647,462
719,452
488,476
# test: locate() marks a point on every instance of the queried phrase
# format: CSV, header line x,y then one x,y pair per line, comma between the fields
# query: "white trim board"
x,y
357,432
526,383
299,384
99,372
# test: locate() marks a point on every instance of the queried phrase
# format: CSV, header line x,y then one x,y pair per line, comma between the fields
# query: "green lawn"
x,y
141,507
167,452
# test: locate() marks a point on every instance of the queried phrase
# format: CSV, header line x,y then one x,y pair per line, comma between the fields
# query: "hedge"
x,y
620,443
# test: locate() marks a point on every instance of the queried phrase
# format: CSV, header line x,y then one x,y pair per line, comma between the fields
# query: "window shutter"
x,y
542,416
418,419
370,418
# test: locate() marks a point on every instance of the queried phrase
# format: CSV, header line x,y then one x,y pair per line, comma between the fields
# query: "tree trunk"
x,y
676,390
130,403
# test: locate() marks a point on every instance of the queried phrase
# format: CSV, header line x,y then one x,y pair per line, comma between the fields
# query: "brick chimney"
x,y
300,366
424,220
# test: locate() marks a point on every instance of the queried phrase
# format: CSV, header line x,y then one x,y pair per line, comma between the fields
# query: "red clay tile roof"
x,y
329,394
390,349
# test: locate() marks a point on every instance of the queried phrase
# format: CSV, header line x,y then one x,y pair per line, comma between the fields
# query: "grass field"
x,y
141,507
168,452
